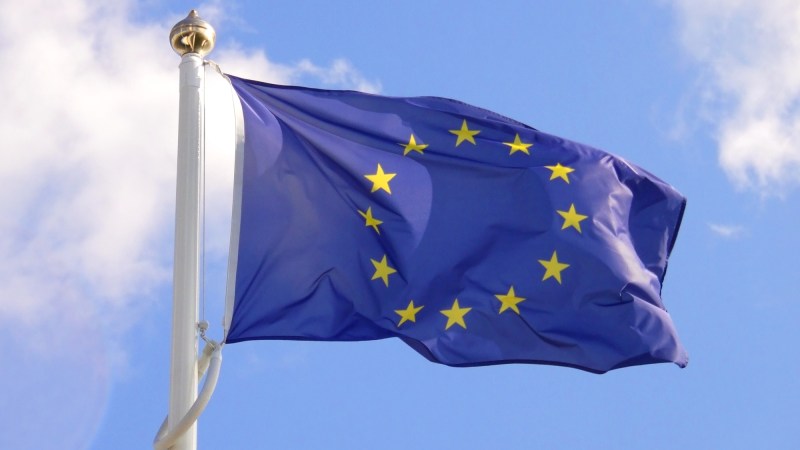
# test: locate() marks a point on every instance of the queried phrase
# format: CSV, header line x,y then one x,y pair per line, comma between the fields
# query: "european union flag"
x,y
474,238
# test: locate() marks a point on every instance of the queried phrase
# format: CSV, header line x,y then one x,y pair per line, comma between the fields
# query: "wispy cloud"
x,y
727,231
749,51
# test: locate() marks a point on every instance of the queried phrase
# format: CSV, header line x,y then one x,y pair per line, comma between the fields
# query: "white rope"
x,y
211,360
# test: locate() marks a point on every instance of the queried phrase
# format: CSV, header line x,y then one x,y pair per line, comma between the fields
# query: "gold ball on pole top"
x,y
193,35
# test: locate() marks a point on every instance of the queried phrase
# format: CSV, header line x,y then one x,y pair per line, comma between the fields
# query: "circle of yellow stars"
x,y
510,300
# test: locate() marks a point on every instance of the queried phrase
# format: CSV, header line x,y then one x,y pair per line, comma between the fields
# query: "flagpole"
x,y
192,38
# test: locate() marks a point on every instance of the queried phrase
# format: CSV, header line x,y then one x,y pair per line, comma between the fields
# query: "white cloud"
x,y
749,50
726,231
88,132
339,73
254,64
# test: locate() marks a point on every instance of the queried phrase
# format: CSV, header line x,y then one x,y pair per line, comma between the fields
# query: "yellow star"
x,y
509,300
455,315
370,221
559,171
465,134
382,270
554,267
572,218
410,313
380,180
518,146
413,146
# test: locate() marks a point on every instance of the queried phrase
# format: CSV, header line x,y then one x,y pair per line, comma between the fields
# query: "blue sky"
x,y
702,93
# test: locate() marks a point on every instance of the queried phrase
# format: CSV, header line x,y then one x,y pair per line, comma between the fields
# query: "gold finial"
x,y
193,35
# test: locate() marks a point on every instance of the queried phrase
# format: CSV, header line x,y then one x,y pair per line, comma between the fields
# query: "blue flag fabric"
x,y
472,237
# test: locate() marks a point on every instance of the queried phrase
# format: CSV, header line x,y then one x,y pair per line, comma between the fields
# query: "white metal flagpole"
x,y
192,38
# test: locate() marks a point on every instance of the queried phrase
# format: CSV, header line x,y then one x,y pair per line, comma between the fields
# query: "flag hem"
x,y
236,211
